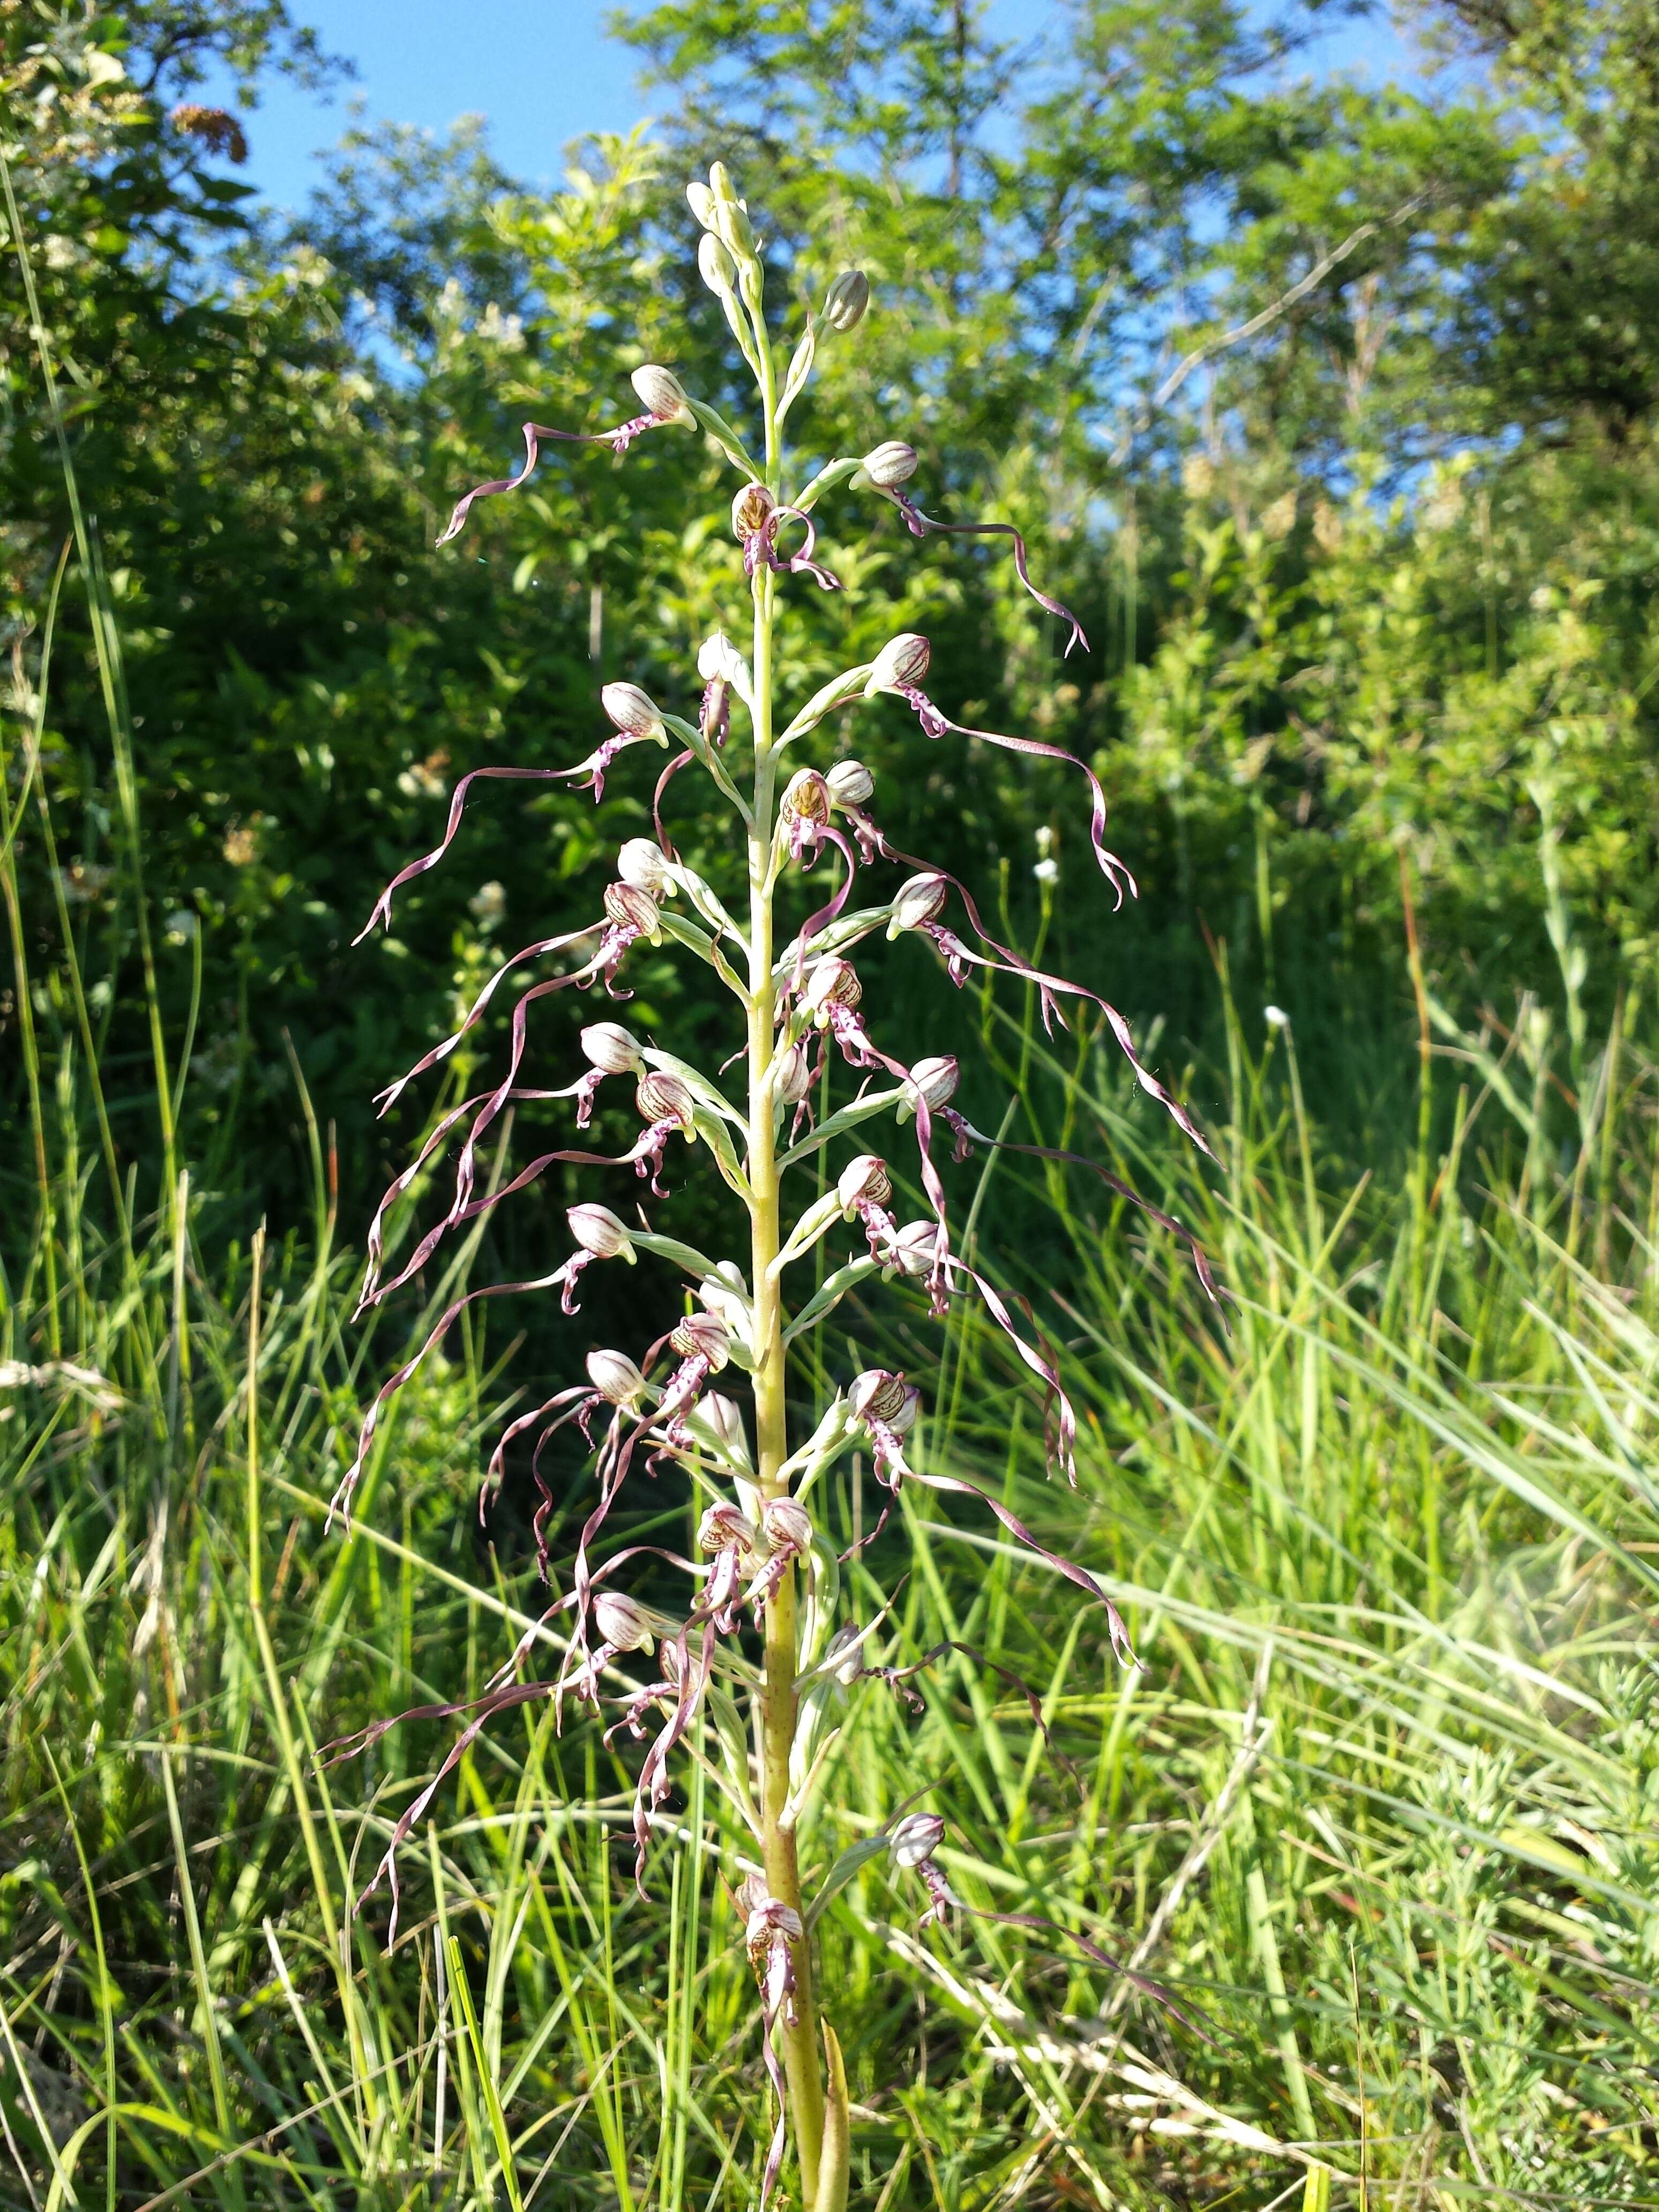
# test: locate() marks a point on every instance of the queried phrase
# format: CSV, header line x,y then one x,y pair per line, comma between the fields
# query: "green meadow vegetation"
x,y
1370,593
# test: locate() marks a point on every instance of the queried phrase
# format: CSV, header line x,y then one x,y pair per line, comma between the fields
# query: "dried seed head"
x,y
915,1837
794,1075
832,983
902,661
632,711
936,1078
608,1046
917,902
750,509
876,1395
621,1622
641,863
888,466
848,297
616,1377
719,272
806,798
630,907
664,1098
787,1524
700,1336
851,784
600,1231
864,1181
662,393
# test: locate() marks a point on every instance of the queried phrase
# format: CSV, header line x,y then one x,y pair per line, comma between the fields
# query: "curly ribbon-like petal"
x,y
923,525
618,438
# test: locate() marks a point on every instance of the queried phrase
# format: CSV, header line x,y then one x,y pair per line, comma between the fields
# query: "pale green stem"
x,y
777,1715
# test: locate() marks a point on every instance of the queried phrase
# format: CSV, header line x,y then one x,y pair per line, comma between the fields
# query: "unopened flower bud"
x,y
725,1418
794,1075
913,1249
915,1837
600,1231
851,784
720,186
863,1181
633,712
621,1622
844,1656
750,509
616,1377
702,202
788,1525
663,1098
661,393
888,466
700,1336
718,656
641,863
876,1395
806,798
719,272
917,902
936,1078
832,983
728,217
902,661
630,907
849,295
609,1047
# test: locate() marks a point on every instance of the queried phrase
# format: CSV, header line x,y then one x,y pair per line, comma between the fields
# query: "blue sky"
x,y
542,71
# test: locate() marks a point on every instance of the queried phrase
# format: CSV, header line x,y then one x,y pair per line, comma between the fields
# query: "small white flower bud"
x,y
915,904
851,784
609,1047
701,1336
750,509
888,466
832,983
915,1837
1046,871
902,661
848,297
844,1656
1275,1017
719,272
863,1181
630,907
622,1623
806,798
718,656
641,863
911,1252
794,1075
701,201
598,1230
663,1098
936,1078
728,217
616,1377
787,1524
661,393
633,712
724,1416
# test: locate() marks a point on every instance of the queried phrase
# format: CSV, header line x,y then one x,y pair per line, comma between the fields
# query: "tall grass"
x,y
1379,1804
